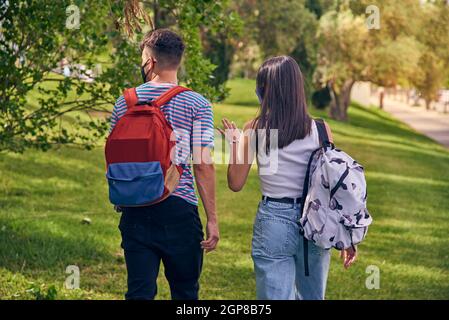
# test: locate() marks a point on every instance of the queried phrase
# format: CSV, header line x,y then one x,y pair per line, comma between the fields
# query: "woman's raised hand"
x,y
230,131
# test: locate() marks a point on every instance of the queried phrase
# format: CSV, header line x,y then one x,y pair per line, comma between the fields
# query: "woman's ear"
x,y
152,62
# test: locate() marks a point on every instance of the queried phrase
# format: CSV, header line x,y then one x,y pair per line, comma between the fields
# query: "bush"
x,y
321,98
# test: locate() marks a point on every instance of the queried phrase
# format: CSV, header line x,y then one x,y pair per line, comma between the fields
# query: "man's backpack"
x,y
139,153
334,212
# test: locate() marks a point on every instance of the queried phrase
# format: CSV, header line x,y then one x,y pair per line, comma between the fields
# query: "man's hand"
x,y
348,255
204,172
213,235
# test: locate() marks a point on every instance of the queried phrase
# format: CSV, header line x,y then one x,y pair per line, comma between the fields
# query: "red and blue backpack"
x,y
140,152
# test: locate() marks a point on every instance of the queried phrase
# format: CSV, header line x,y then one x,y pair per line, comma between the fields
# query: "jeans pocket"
x,y
271,237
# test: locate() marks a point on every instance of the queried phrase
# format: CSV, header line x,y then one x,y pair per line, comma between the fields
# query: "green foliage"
x,y
40,293
334,46
280,27
199,69
321,98
342,42
342,56
394,48
433,65
409,48
220,46
192,18
35,40
429,76
70,110
393,61
247,55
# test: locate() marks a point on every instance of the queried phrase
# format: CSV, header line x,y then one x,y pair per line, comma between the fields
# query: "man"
x,y
171,230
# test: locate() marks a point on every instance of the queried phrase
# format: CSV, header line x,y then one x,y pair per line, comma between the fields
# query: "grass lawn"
x,y
45,196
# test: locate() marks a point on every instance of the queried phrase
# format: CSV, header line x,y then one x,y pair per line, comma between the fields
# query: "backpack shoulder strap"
x,y
324,132
168,95
130,96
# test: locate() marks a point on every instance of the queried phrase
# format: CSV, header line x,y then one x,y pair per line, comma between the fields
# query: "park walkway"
x,y
434,124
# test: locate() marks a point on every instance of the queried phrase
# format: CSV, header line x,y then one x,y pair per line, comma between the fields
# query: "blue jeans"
x,y
277,252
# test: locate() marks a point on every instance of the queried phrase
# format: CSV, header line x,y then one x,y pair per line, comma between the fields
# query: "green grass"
x,y
44,197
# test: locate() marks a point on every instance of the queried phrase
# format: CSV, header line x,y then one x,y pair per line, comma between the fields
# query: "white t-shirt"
x,y
283,171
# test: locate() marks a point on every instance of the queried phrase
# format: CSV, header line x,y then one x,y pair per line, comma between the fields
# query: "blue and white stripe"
x,y
191,116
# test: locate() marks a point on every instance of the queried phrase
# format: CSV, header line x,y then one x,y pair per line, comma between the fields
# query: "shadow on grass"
x,y
403,149
378,113
41,199
67,163
381,123
413,251
28,250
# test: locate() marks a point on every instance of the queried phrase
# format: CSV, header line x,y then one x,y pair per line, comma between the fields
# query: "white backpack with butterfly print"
x,y
334,213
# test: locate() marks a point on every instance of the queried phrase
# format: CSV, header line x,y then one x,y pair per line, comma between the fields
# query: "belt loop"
x,y
264,199
296,201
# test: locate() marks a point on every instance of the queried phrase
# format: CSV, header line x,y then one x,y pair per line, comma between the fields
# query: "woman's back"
x,y
287,167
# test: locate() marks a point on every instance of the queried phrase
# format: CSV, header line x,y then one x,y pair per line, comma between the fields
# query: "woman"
x,y
283,135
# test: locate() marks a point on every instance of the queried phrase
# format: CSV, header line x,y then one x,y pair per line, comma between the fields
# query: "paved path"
x,y
434,124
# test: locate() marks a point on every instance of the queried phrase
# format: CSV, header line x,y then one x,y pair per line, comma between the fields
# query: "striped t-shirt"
x,y
191,116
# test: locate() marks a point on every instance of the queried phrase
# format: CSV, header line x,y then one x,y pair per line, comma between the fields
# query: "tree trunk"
x,y
381,100
340,100
156,13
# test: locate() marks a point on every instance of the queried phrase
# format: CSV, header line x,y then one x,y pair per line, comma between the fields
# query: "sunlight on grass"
x,y
45,195
405,179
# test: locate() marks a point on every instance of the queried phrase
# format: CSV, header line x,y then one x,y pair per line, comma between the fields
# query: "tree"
x,y
40,108
192,18
394,47
247,55
280,26
219,46
349,51
35,37
342,56
277,28
206,27
433,65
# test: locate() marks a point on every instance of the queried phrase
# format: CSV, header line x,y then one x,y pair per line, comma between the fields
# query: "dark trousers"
x,y
170,232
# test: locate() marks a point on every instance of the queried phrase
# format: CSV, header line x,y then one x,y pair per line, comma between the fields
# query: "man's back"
x,y
171,231
191,117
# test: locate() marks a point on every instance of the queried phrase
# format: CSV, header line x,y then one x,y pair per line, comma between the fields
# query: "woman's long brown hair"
x,y
280,85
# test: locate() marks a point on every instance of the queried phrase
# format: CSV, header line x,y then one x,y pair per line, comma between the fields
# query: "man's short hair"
x,y
166,46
